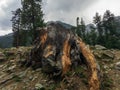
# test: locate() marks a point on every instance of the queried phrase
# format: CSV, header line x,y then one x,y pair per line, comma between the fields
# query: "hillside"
x,y
6,41
15,76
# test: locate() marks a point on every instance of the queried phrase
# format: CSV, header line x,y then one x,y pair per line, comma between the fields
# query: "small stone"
x,y
39,87
11,69
34,78
39,69
22,74
30,78
105,67
12,61
117,65
99,47
117,54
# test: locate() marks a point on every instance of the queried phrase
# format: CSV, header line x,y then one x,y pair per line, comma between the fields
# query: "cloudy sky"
x,y
64,10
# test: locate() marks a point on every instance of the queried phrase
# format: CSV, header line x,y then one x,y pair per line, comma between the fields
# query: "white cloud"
x,y
101,6
6,6
4,32
68,10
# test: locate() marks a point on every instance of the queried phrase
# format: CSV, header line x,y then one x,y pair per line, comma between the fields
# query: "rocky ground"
x,y
15,76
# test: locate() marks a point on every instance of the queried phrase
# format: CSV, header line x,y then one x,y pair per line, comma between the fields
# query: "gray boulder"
x,y
99,47
117,65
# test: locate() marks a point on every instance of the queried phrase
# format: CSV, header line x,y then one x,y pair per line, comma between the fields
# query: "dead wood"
x,y
58,49
91,64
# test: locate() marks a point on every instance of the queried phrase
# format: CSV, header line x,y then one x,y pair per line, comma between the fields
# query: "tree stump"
x,y
58,49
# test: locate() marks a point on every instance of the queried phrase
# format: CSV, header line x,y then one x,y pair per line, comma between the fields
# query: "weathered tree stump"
x,y
58,49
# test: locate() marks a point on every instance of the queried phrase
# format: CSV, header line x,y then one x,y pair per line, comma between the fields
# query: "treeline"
x,y
29,17
105,30
25,22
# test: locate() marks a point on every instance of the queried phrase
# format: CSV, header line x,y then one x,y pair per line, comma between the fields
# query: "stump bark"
x,y
58,49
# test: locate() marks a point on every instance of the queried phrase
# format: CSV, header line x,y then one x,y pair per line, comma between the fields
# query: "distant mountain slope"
x,y
67,26
6,41
117,21
89,26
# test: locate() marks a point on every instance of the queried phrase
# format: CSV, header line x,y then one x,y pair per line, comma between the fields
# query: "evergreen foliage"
x,y
80,30
29,19
104,33
16,27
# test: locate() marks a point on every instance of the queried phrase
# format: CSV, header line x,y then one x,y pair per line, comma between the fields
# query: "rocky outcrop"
x,y
104,54
2,57
15,76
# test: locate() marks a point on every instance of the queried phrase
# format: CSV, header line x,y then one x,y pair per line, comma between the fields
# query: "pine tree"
x,y
77,31
98,22
82,28
25,20
109,23
109,29
92,36
32,17
16,27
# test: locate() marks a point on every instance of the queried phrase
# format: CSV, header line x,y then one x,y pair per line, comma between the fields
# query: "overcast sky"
x,y
64,10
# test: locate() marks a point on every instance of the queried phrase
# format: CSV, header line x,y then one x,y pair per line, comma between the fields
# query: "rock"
x,y
108,54
11,69
99,47
97,54
31,77
2,57
104,55
22,74
107,60
117,65
34,78
21,61
37,70
105,66
39,87
117,55
9,53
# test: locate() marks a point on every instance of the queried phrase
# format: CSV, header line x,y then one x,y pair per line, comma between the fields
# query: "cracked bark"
x,y
57,49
